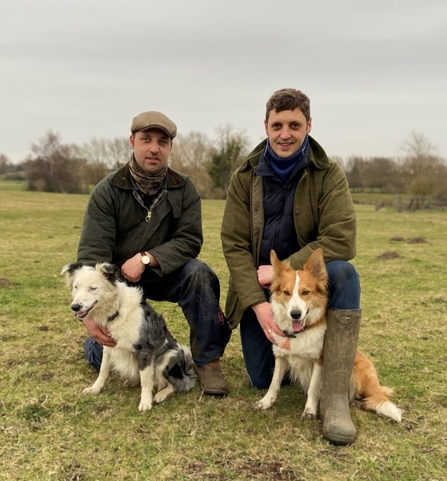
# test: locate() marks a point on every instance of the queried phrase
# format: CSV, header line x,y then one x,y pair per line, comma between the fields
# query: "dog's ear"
x,y
110,271
316,265
69,270
275,262
278,267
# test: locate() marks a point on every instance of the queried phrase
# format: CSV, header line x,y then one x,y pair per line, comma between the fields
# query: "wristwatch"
x,y
145,259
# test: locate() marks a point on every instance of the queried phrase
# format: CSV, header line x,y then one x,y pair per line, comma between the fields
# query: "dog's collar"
x,y
290,336
113,316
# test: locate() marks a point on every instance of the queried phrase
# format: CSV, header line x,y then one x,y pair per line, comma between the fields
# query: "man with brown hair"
x,y
146,218
290,197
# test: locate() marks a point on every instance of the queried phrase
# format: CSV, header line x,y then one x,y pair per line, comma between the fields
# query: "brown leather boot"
x,y
211,379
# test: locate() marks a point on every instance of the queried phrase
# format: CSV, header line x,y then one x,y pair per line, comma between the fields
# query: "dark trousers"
x,y
344,293
196,289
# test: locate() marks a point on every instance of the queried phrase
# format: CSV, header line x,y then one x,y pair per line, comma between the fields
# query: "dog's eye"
x,y
92,288
286,293
305,292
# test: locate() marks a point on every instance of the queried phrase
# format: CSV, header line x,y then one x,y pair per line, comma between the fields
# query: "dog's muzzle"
x,y
78,312
298,320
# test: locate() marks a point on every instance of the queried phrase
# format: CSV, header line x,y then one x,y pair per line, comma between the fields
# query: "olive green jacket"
x,y
117,226
323,217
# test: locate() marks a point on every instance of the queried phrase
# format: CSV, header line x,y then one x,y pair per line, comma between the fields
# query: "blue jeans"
x,y
344,293
196,289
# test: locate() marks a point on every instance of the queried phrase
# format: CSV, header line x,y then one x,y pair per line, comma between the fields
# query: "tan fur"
x,y
303,294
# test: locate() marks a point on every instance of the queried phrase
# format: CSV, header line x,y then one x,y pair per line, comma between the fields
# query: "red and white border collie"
x,y
299,300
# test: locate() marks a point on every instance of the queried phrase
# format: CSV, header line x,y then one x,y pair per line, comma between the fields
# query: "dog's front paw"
x,y
264,403
91,390
145,405
308,415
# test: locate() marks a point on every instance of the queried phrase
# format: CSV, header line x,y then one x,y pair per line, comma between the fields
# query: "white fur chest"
x,y
125,329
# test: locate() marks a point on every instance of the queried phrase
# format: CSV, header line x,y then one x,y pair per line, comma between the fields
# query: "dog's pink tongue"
x,y
297,326
81,314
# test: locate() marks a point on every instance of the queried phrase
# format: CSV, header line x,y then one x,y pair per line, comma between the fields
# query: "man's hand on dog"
x,y
264,315
99,333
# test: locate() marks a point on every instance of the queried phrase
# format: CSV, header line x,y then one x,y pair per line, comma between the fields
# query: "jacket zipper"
x,y
157,201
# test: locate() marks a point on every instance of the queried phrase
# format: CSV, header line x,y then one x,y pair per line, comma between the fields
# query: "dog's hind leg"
x,y
176,370
162,384
164,394
103,374
278,374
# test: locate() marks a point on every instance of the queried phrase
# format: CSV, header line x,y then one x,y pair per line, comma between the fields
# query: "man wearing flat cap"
x,y
146,218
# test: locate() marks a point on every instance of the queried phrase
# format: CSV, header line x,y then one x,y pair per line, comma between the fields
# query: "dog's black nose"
x,y
76,307
295,314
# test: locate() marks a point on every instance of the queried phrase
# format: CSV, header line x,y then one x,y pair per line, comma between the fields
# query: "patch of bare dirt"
x,y
251,470
4,282
388,256
418,240
397,239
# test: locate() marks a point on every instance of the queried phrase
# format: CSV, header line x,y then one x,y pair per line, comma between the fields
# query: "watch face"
x,y
145,259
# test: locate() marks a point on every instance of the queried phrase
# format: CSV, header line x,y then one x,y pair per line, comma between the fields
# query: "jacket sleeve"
x,y
327,218
98,234
237,244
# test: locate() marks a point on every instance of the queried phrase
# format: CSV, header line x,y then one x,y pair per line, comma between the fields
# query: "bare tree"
x,y
190,151
191,154
119,151
382,173
355,172
95,152
232,147
4,163
103,156
53,167
423,170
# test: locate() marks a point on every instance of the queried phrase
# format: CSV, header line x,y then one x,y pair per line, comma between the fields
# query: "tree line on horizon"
x,y
53,166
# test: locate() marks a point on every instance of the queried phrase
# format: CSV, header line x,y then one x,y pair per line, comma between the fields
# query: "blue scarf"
x,y
284,168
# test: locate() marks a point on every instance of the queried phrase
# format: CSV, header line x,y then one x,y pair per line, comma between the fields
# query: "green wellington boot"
x,y
340,346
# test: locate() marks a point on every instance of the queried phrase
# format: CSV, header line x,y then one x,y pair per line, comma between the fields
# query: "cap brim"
x,y
155,127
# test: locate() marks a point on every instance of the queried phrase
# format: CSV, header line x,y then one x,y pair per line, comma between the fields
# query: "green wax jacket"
x,y
117,226
324,217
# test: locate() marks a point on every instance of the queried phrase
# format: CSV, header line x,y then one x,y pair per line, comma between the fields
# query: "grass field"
x,y
50,431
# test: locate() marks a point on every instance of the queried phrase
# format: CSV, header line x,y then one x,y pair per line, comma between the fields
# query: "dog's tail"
x,y
367,388
179,370
381,404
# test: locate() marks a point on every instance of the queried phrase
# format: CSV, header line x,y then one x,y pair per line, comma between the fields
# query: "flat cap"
x,y
153,120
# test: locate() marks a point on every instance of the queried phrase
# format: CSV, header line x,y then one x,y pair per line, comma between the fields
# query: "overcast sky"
x,y
374,70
